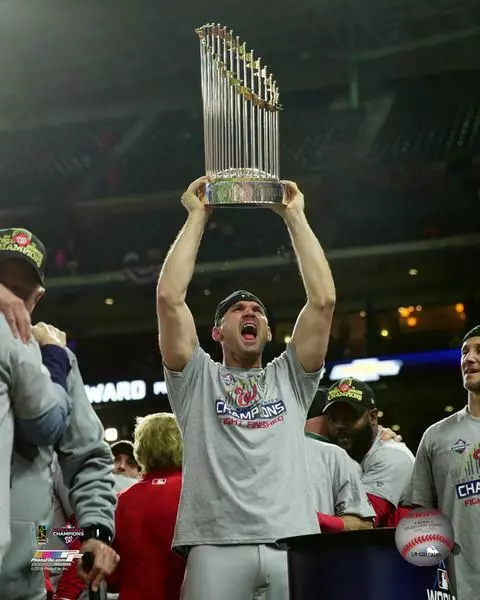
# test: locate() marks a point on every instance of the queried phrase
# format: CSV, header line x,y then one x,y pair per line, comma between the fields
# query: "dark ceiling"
x,y
58,55
59,52
376,276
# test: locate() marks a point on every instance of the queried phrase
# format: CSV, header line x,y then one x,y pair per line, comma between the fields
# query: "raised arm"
x,y
312,329
40,402
176,327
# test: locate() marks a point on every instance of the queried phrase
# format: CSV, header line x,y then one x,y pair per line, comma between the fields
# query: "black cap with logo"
x,y
21,243
353,392
235,297
123,447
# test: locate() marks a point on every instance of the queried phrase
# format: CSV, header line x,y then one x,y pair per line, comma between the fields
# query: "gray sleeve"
x,y
181,384
305,385
349,494
421,488
386,474
86,459
41,407
61,491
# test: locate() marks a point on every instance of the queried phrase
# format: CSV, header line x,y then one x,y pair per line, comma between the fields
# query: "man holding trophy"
x,y
245,472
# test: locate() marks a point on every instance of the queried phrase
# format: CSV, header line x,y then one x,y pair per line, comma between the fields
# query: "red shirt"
x,y
144,524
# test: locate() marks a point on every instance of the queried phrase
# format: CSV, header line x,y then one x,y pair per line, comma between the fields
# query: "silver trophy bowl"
x,y
247,190
244,193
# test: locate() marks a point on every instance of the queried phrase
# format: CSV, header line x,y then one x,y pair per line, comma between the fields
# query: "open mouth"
x,y
472,371
249,331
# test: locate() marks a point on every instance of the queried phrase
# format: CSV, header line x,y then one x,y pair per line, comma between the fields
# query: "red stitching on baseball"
x,y
426,538
423,514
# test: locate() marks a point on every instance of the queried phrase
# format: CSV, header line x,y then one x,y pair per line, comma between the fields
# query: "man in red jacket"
x,y
145,519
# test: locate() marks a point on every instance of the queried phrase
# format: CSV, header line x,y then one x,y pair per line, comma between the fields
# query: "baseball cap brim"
x,y
358,406
8,255
123,447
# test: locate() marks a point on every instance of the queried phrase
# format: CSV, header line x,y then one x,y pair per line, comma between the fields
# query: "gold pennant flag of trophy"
x,y
240,113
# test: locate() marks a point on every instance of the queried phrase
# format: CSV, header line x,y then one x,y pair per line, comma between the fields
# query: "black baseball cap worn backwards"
x,y
21,243
235,297
123,447
475,332
353,392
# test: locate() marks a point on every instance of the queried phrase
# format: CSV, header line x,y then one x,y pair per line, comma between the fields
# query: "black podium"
x,y
361,565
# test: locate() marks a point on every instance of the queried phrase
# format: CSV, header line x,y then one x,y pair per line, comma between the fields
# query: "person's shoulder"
x,y
437,429
126,494
11,344
150,487
327,451
391,448
284,361
278,360
5,330
198,361
327,447
318,444
199,355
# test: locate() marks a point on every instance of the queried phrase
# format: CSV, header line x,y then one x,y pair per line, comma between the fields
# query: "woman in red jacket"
x,y
146,514
145,519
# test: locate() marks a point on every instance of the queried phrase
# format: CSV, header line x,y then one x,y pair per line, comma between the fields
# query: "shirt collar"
x,y
317,437
160,473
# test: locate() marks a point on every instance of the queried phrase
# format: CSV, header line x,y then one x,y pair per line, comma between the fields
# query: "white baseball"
x,y
424,537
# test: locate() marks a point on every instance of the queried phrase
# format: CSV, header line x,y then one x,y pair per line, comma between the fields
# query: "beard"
x,y
356,443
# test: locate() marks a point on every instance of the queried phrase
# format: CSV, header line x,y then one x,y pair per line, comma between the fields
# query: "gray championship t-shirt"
x,y
387,468
337,488
447,477
245,476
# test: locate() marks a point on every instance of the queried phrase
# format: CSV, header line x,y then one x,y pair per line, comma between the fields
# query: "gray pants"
x,y
254,572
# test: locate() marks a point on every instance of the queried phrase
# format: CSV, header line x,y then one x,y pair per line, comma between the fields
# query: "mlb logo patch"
x,y
460,446
443,581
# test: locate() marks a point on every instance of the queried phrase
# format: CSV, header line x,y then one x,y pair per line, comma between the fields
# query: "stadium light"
x,y
111,434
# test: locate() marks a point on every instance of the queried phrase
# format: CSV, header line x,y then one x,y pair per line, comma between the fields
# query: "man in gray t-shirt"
x,y
338,494
246,481
447,473
351,422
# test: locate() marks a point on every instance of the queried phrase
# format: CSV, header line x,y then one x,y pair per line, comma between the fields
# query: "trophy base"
x,y
244,193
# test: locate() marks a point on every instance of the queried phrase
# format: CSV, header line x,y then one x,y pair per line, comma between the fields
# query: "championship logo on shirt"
x,y
244,403
468,487
460,446
68,534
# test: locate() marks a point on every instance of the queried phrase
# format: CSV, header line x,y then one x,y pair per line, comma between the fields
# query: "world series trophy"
x,y
240,113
